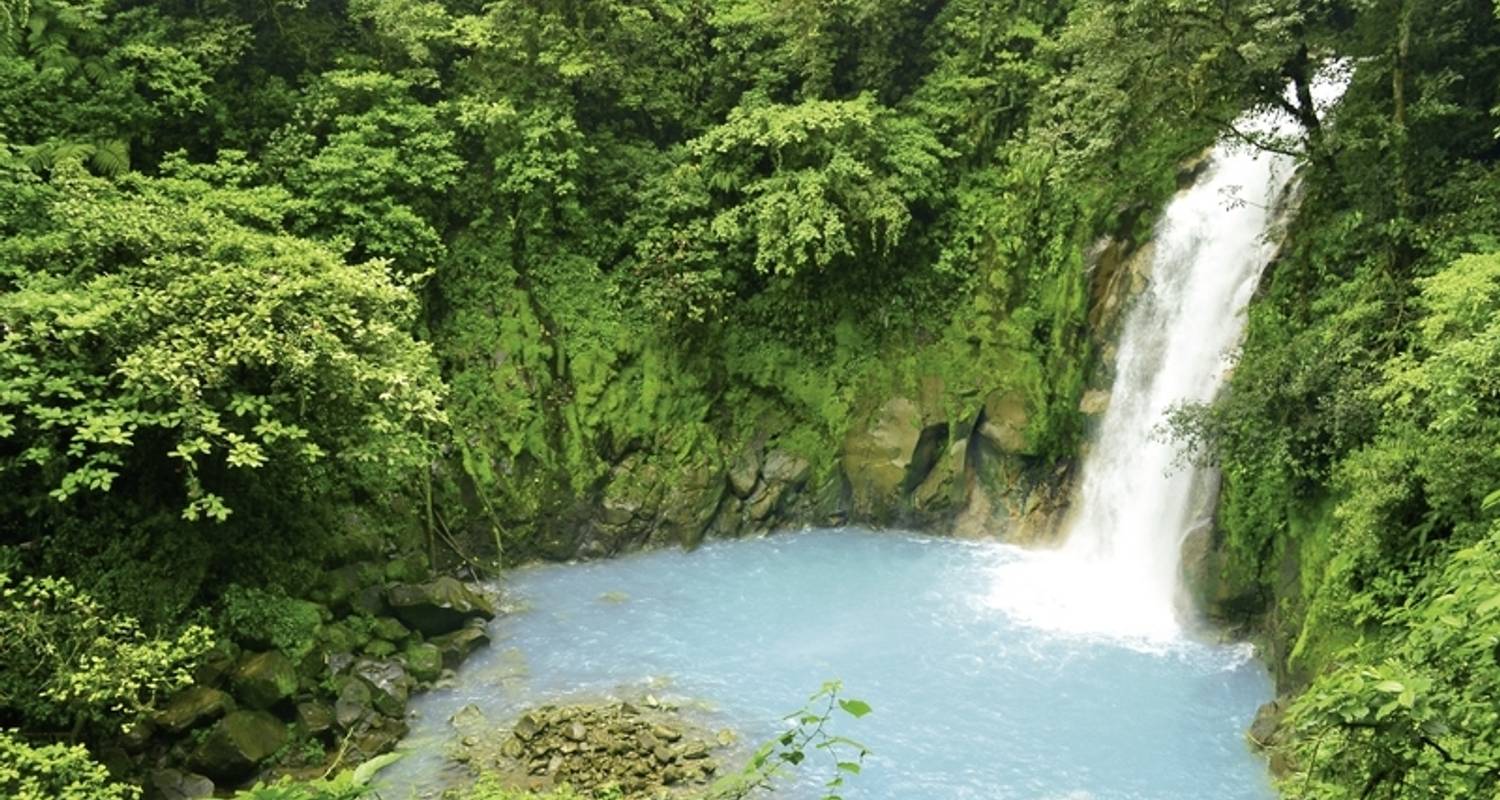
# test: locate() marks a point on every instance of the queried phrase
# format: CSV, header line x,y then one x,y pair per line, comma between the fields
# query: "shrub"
x,y
55,772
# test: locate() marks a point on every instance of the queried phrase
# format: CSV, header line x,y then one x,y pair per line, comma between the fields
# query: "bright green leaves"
x,y
855,708
810,734
812,184
1412,715
369,164
55,772
68,662
156,335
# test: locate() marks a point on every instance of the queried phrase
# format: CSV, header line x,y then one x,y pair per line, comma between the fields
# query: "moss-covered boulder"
x,y
424,660
236,744
264,680
744,473
315,717
193,707
355,704
690,501
438,606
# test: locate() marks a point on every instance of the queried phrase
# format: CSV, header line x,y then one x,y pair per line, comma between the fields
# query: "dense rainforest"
x,y
304,298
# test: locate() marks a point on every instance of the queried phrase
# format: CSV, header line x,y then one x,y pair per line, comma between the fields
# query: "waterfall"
x,y
1116,574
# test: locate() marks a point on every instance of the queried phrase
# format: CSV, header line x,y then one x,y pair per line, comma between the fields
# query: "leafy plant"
x,y
67,661
269,618
55,772
809,736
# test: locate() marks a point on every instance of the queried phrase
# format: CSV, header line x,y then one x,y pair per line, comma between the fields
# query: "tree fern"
x,y
108,158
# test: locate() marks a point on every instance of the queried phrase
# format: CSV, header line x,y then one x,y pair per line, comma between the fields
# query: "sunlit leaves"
x,y
813,183
156,332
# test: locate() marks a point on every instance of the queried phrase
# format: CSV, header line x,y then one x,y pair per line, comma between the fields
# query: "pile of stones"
x,y
641,750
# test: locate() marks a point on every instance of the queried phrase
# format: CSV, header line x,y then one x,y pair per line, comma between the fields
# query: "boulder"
x,y
315,717
340,585
744,474
786,468
943,489
216,664
173,784
369,601
876,455
390,629
381,736
424,661
379,648
192,707
355,703
690,503
390,686
765,501
886,457
439,606
237,743
457,646
264,680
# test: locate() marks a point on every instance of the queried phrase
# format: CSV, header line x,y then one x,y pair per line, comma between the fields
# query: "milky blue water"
x,y
968,704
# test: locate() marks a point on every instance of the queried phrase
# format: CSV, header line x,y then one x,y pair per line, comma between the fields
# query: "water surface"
x,y
968,703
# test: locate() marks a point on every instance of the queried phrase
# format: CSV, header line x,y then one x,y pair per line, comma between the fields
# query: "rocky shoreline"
x,y
386,633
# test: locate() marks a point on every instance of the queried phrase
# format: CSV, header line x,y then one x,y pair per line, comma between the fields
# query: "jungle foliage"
x,y
274,274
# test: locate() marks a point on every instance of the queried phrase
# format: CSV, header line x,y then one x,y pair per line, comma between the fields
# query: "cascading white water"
x,y
1117,573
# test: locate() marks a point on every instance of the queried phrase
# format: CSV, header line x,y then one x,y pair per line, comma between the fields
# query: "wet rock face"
x,y
643,752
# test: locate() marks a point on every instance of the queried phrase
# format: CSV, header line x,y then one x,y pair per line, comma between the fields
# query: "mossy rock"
x,y
264,680
236,744
379,648
193,707
390,629
424,661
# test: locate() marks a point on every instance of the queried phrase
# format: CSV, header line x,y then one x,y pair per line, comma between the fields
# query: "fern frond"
x,y
38,157
111,158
